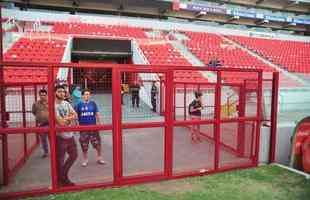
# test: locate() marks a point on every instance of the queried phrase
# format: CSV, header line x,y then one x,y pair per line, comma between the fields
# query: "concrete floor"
x,y
143,151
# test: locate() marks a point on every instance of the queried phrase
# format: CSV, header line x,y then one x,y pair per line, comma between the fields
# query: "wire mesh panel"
x,y
194,100
184,97
143,151
230,101
29,100
26,173
13,101
236,144
141,97
131,139
193,155
267,101
89,156
186,84
16,150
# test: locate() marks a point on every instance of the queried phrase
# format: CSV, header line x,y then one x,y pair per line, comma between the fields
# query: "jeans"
x,y
65,145
44,139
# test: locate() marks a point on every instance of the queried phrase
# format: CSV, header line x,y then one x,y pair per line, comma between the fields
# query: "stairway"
x,y
193,59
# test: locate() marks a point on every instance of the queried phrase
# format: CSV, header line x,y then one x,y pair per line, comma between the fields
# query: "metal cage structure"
x,y
139,145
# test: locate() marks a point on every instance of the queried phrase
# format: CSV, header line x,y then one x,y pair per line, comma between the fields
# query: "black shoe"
x,y
67,183
44,155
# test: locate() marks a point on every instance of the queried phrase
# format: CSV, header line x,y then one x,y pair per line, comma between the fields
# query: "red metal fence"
x,y
138,145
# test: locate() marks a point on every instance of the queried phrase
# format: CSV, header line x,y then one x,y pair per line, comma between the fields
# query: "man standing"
x,y
135,89
88,114
154,93
65,116
40,111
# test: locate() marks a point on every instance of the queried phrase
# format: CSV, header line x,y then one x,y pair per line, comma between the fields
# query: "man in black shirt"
x,y
135,89
153,96
194,109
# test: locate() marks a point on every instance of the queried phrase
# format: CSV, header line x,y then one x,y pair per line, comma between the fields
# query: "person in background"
x,y
122,94
68,97
214,62
76,95
195,108
88,114
66,148
154,93
40,111
135,98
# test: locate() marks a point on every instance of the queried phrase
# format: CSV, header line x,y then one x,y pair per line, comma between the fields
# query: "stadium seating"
x,y
98,30
208,46
165,54
290,55
159,51
35,50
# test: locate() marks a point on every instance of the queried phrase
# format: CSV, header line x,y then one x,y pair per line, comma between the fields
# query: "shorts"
x,y
89,137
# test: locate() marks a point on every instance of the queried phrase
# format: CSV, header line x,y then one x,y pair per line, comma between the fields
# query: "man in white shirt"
x,y
65,116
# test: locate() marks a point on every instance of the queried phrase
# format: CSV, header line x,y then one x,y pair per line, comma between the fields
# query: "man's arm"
x,y
72,114
34,109
97,113
98,118
59,120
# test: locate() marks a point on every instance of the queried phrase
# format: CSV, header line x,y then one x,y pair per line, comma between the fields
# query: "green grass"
x,y
262,183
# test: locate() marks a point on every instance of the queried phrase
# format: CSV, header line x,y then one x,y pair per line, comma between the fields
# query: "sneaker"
x,y
44,155
101,162
67,183
84,164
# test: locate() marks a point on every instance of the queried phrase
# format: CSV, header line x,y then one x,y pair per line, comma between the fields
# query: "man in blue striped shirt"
x,y
88,114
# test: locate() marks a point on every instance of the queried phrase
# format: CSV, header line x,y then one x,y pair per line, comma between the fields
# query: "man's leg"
x,y
60,158
153,104
72,156
84,142
138,100
96,143
133,100
44,143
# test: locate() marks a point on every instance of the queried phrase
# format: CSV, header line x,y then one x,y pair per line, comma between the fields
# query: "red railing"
x,y
168,124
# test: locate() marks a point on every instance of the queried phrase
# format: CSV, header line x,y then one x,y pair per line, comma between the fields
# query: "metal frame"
x,y
117,126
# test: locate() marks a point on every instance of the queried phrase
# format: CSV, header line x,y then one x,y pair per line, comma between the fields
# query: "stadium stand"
x,y
207,46
293,56
98,30
33,50
165,54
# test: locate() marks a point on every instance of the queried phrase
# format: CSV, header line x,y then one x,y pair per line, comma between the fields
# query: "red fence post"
x,y
217,125
3,113
52,132
169,97
274,116
241,125
258,116
174,102
116,123
185,105
24,121
161,96
35,100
